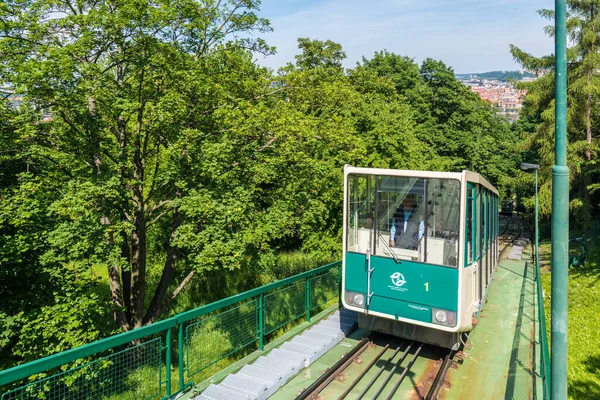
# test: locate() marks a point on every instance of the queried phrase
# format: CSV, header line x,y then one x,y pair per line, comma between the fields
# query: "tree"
x,y
317,53
456,129
583,57
126,83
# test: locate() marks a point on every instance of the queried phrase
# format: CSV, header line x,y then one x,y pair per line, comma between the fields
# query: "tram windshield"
x,y
404,218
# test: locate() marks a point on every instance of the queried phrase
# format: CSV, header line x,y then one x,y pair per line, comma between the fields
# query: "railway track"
x,y
378,365
390,362
512,232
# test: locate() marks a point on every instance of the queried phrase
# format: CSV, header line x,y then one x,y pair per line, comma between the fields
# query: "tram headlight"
x,y
355,299
359,299
443,317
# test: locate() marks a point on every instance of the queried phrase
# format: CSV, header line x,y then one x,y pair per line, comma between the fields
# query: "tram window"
x,y
404,218
360,213
418,219
480,249
483,221
469,227
489,221
400,216
443,221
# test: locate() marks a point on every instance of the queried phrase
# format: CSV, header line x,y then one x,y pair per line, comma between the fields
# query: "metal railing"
x,y
138,364
543,336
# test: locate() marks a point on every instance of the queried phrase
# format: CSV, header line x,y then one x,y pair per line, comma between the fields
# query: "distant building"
x,y
501,95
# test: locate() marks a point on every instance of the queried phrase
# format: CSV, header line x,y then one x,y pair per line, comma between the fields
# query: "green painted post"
x,y
180,355
261,336
340,286
560,214
307,290
168,362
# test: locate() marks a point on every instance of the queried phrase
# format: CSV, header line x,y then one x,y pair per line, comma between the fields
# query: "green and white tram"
x,y
419,251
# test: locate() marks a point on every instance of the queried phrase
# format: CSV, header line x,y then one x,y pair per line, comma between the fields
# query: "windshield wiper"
x,y
389,249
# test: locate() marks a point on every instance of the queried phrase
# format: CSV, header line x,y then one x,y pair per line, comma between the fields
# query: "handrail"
x,y
544,356
55,360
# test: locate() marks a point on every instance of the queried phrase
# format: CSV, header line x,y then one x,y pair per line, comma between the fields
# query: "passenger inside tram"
x,y
404,220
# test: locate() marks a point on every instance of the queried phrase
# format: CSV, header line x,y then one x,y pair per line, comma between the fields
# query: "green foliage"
x,y
316,53
182,169
78,317
583,88
460,130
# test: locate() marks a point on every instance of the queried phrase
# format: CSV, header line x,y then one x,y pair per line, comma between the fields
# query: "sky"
x,y
468,35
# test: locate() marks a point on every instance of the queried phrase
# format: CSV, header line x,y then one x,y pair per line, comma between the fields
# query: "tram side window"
x,y
481,248
490,223
360,213
443,222
469,227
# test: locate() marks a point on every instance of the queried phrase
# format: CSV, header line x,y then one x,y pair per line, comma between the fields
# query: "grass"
x,y
584,325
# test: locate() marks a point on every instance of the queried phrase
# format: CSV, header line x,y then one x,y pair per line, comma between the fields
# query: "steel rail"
x,y
440,376
520,232
394,368
372,381
506,227
401,378
364,372
329,375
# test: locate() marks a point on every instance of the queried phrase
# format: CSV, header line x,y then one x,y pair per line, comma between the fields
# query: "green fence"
x,y
139,364
580,247
544,364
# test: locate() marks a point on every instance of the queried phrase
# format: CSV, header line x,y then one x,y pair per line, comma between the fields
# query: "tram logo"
x,y
397,279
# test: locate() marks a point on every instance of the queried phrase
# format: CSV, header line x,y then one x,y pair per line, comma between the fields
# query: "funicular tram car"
x,y
419,251
507,207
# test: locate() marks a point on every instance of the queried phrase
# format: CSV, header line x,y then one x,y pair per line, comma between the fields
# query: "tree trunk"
x,y
156,305
117,298
138,246
116,293
588,125
126,276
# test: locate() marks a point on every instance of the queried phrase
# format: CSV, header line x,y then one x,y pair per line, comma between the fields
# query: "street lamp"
x,y
527,167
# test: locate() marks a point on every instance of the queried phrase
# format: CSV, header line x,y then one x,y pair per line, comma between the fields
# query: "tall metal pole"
x,y
560,214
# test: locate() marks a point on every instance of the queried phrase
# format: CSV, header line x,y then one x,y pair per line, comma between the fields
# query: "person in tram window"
x,y
404,231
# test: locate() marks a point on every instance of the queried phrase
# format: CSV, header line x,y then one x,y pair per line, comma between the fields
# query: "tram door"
x,y
471,242
480,243
361,190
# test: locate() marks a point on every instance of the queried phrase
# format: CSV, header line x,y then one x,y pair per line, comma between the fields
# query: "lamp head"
x,y
527,166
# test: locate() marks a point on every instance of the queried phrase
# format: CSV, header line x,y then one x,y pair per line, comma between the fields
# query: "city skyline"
x,y
471,36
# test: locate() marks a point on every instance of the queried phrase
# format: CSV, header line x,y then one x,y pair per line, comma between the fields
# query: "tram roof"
x,y
470,176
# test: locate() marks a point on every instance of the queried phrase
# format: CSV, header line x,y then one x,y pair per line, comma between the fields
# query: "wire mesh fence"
x,y
137,364
284,306
221,336
217,336
324,288
580,247
133,373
